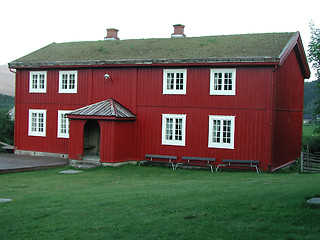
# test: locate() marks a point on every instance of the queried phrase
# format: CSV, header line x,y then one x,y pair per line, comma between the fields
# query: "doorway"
x,y
91,140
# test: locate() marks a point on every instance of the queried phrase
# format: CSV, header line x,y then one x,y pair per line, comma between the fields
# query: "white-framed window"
x,y
221,131
38,82
37,122
223,81
68,81
63,124
174,129
174,81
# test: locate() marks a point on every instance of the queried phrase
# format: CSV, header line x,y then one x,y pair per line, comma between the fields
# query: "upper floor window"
x,y
173,129
223,82
174,81
38,82
221,131
37,122
68,81
63,124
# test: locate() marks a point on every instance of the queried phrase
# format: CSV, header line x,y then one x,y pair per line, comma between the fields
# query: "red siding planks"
x,y
140,90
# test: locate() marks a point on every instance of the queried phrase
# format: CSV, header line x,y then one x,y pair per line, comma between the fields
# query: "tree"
x,y
6,128
314,58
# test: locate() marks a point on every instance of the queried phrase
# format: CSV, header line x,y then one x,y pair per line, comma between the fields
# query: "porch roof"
x,y
109,108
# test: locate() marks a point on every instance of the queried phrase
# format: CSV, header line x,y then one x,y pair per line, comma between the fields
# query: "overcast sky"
x,y
27,25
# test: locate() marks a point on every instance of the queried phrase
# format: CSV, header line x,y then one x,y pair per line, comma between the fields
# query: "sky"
x,y
27,25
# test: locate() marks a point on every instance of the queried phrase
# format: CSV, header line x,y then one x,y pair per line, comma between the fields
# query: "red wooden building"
x,y
233,97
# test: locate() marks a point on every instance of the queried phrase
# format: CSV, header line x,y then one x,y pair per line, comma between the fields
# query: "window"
x,y
173,129
68,81
63,124
38,82
37,122
221,131
174,81
223,82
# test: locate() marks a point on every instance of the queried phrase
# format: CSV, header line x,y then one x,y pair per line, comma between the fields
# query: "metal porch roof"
x,y
106,108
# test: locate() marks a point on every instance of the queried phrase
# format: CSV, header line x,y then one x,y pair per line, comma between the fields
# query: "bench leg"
x,y
140,163
217,168
173,167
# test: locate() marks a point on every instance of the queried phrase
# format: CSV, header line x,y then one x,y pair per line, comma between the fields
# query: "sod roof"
x,y
245,47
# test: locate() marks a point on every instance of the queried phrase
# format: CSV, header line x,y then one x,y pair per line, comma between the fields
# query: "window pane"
x,y
226,131
34,81
34,122
216,131
217,81
178,130
64,81
63,123
228,81
170,81
41,81
40,122
72,81
169,128
179,81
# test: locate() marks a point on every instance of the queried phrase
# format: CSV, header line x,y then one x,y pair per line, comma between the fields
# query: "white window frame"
x,y
35,128
222,71
174,72
172,141
59,128
68,89
221,144
36,88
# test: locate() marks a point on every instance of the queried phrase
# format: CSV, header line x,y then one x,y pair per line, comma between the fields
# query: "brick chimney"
x,y
112,34
178,31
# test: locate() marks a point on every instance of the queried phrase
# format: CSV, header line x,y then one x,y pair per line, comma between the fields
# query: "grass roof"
x,y
228,46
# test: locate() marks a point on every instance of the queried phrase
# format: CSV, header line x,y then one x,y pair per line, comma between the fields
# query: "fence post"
x,y
301,162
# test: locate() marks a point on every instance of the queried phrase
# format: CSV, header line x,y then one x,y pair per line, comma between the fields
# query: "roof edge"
x,y
295,43
253,59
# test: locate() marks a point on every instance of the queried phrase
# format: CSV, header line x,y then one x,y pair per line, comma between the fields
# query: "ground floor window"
x,y
63,124
221,131
37,122
173,129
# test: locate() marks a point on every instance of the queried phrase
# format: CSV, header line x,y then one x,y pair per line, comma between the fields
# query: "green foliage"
x,y
6,128
6,102
313,144
132,202
314,58
310,97
314,48
310,140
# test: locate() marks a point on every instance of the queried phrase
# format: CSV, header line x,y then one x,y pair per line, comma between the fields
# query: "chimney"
x,y
178,31
112,34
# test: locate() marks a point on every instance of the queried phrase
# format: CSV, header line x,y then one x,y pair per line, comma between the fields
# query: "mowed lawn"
x,y
132,202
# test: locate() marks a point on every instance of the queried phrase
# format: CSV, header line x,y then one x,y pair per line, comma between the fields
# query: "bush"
x,y
6,128
312,143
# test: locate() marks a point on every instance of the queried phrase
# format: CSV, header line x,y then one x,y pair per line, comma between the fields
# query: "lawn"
x,y
158,203
308,130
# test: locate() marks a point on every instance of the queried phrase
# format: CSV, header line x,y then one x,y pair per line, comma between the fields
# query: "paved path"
x,y
20,163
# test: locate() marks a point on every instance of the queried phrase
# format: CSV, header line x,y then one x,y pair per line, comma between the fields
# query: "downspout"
x,y
272,116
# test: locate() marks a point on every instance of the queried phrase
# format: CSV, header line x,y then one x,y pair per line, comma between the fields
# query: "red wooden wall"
x,y
288,112
250,105
140,90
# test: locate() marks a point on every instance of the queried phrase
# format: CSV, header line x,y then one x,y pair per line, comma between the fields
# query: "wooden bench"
x,y
198,161
240,163
163,159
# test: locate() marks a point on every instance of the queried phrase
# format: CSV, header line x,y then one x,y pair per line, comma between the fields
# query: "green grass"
x,y
308,130
158,203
